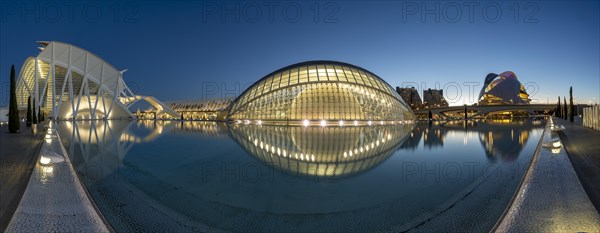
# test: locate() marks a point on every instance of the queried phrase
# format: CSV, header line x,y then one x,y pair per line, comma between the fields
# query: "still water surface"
x,y
207,176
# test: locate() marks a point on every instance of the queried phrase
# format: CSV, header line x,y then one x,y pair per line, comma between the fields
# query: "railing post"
x,y
597,117
593,117
586,117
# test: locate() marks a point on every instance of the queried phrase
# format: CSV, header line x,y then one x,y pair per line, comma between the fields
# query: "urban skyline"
x,y
408,46
299,116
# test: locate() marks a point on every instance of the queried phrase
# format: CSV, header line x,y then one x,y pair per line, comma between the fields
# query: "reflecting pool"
x,y
207,176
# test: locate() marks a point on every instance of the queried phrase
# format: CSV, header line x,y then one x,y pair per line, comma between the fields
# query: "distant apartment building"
x,y
434,98
411,97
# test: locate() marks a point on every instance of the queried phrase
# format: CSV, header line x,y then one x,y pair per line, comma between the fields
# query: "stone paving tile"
x,y
551,198
54,200
582,146
18,153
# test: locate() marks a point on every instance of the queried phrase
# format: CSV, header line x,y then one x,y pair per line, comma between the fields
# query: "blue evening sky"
x,y
207,49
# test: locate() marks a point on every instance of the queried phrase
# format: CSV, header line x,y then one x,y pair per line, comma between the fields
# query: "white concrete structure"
x,y
3,115
591,117
72,83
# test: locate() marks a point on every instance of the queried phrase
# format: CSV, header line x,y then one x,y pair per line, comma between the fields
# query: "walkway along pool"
x,y
206,176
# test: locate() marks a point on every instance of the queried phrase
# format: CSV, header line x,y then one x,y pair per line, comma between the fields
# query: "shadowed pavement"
x,y
583,147
18,153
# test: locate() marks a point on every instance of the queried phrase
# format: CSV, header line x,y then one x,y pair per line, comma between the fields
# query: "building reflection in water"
x,y
313,151
505,143
499,141
434,138
96,147
321,151
186,178
201,128
108,142
412,141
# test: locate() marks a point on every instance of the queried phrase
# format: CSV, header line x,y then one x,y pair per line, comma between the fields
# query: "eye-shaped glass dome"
x,y
320,92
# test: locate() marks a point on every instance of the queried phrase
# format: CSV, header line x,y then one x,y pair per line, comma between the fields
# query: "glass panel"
x,y
312,74
285,78
331,75
340,74
259,87
276,81
322,73
267,86
294,76
357,76
303,76
349,75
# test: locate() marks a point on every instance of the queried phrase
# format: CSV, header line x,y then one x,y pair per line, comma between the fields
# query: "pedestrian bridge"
x,y
157,104
482,110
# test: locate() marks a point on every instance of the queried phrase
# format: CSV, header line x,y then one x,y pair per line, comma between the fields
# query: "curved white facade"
x,y
72,83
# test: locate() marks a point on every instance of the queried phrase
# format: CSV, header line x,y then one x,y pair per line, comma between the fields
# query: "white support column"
x,y
99,90
62,89
52,71
89,100
116,94
65,80
103,104
71,98
83,83
35,87
81,87
54,113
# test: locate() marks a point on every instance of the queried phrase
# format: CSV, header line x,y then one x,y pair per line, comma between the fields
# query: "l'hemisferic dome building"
x,y
503,89
320,93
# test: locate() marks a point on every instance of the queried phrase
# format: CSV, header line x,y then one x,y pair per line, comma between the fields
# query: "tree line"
x,y
32,117
566,111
